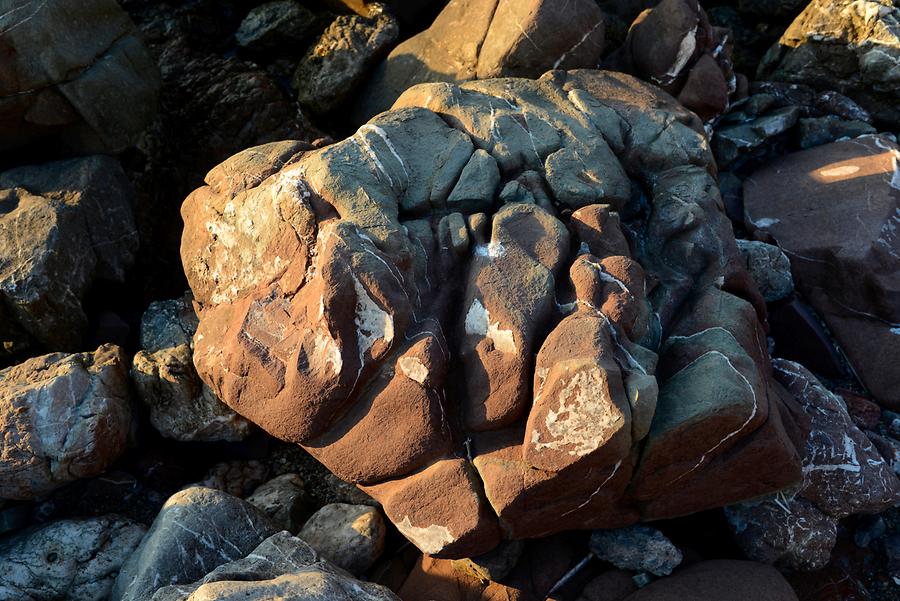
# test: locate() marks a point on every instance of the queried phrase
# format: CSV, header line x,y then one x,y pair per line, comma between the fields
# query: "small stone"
x,y
238,478
639,548
283,499
816,131
280,26
865,413
769,267
351,536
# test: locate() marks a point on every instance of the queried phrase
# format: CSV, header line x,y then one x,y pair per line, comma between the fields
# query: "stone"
x,y
74,560
283,499
63,417
817,131
769,267
181,406
345,52
865,413
614,585
719,579
511,372
349,536
276,27
799,336
281,567
64,225
838,224
495,564
851,47
238,478
637,548
480,39
63,62
742,137
197,530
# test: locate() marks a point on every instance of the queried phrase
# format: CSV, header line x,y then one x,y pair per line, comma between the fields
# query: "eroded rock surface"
x,y
378,302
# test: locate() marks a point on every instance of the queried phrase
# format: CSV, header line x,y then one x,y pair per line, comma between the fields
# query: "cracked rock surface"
x,y
514,360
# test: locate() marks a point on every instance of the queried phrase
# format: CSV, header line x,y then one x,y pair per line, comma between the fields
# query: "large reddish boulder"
x,y
462,308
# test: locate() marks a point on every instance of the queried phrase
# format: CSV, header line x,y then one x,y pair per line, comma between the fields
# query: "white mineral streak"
x,y
599,488
429,540
478,323
413,369
387,141
327,352
685,52
492,250
372,322
578,44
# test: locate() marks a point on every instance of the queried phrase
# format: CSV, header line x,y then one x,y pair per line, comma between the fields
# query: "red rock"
x,y
864,413
720,580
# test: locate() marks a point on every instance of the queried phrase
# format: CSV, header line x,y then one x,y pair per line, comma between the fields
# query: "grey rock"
x,y
281,567
474,192
746,133
639,548
197,530
279,27
816,131
69,560
283,499
334,67
350,536
769,267
63,225
181,406
62,417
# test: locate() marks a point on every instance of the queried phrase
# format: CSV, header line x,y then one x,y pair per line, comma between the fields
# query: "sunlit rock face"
x,y
504,309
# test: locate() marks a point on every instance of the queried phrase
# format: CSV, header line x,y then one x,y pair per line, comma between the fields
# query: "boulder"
x,y
63,226
349,536
480,39
69,560
63,417
197,530
849,46
76,74
181,406
281,567
719,579
283,499
352,303
838,223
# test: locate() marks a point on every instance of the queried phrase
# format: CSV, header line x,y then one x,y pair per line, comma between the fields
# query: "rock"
x,y
283,499
746,135
824,130
197,530
181,406
480,39
350,536
71,560
845,253
237,478
63,417
495,564
769,268
636,548
346,305
719,579
77,74
276,27
336,65
864,413
852,47
800,336
64,226
614,585
281,567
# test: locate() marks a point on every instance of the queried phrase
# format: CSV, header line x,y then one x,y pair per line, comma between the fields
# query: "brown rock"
x,y
719,579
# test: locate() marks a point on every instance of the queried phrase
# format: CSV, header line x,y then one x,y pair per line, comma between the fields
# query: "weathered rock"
x,y
824,130
276,27
350,536
75,71
636,548
238,477
769,267
283,499
480,39
63,226
344,54
348,305
281,567
197,530
719,579
63,417
181,406
749,133
838,223
849,46
69,560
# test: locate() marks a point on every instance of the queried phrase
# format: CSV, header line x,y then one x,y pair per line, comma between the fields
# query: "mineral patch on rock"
x,y
379,302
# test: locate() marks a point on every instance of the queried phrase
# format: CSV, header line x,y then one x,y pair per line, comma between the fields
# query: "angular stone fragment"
x,y
278,26
350,536
283,499
637,548
769,267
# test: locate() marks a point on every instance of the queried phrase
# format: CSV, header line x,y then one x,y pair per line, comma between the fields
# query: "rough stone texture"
x,y
350,536
76,71
275,27
181,406
637,548
852,46
769,267
62,417
283,499
674,46
839,223
346,306
69,560
238,477
281,567
197,530
63,225
344,54
719,579
480,39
